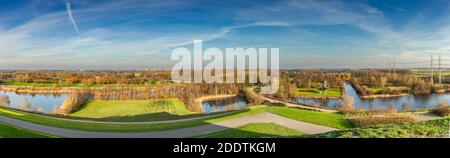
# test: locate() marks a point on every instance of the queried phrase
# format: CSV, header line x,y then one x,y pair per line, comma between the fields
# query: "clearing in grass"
x,y
314,92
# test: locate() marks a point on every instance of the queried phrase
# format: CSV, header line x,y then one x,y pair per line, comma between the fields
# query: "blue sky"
x,y
137,34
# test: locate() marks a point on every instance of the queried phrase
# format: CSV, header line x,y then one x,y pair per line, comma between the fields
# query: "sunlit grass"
x,y
314,92
255,130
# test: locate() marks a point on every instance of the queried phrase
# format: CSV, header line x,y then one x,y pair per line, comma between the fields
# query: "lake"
x,y
223,104
410,102
34,102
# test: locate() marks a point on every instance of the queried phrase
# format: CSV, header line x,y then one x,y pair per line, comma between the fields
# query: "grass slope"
x,y
315,117
8,131
255,130
429,129
134,110
113,127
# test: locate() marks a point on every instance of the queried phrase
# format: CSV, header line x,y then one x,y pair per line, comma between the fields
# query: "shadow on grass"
x,y
163,116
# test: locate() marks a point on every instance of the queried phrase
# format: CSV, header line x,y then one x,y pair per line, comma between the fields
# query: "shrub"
x,y
347,106
251,97
370,120
381,111
277,104
442,110
351,111
268,103
4,100
72,103
390,91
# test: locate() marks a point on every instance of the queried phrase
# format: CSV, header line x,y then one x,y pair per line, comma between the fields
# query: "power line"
x,y
431,64
440,74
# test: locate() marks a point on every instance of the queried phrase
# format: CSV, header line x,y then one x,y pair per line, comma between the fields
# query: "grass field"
x,y
321,118
428,74
255,130
327,119
135,110
314,92
429,129
8,131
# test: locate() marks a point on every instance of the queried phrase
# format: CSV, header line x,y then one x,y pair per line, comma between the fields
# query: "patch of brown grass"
x,y
371,120
442,110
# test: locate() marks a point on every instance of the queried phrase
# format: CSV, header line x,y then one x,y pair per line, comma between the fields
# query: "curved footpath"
x,y
265,117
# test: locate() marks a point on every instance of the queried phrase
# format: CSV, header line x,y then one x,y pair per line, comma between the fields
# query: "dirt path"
x,y
307,128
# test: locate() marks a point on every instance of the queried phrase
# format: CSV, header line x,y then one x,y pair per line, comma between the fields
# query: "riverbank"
x,y
375,96
34,90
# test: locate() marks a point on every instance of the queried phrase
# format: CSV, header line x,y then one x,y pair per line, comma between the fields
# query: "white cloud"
x,y
69,12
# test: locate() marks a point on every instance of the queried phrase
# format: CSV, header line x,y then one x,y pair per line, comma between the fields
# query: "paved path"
x,y
176,133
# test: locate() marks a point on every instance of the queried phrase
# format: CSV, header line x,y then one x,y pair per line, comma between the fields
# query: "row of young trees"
x,y
86,77
381,79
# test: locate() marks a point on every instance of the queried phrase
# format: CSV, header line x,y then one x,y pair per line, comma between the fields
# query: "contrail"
x,y
69,11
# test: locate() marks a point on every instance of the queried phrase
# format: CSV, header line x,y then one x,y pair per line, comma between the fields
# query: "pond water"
x,y
410,102
34,102
223,104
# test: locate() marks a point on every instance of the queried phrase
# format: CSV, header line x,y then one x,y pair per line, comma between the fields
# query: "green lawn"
x,y
314,92
135,110
376,90
327,119
321,118
8,131
255,130
429,129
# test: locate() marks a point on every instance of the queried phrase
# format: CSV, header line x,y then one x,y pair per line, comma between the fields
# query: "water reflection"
x,y
223,104
44,103
410,102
